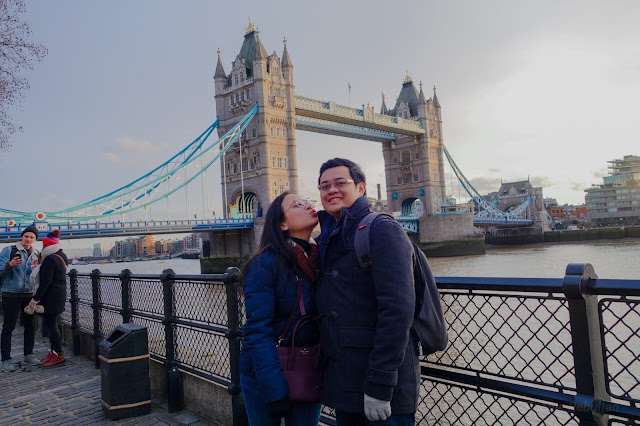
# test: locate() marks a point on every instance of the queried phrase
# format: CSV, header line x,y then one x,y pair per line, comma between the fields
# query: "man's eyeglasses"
x,y
339,184
301,204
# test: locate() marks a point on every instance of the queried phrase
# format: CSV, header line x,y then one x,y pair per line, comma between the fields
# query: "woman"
x,y
270,285
51,294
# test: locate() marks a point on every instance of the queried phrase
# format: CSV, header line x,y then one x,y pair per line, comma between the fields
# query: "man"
x,y
372,364
17,291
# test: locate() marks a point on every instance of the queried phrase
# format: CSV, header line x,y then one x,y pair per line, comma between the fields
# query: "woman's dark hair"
x,y
273,235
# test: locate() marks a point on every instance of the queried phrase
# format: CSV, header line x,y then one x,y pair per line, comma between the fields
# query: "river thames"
x,y
611,259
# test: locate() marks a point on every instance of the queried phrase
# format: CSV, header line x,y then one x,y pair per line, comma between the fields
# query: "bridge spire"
x,y
422,99
383,108
286,61
435,97
219,68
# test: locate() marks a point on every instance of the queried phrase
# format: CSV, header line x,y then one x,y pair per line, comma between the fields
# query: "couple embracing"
x,y
371,373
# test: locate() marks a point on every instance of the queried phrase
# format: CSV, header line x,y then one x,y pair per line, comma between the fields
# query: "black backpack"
x,y
14,250
429,327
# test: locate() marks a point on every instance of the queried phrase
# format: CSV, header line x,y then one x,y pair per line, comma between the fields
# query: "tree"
x,y
17,53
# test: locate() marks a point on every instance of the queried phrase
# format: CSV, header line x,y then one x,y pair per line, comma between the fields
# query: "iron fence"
x,y
522,350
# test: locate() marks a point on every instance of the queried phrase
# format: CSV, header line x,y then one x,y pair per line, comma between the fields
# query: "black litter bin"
x,y
124,370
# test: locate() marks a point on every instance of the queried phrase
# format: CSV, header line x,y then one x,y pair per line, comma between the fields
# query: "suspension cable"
x,y
241,177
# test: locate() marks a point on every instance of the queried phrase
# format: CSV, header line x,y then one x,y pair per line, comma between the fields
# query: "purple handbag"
x,y
301,364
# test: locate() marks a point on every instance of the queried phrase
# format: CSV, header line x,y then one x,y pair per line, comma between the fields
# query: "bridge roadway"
x,y
67,394
119,229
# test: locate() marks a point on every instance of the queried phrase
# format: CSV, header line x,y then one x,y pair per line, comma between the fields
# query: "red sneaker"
x,y
46,358
55,359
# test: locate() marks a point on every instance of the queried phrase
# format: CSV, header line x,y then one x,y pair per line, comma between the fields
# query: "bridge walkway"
x,y
67,394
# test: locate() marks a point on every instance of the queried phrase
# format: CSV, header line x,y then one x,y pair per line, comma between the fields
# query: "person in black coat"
x,y
51,294
371,374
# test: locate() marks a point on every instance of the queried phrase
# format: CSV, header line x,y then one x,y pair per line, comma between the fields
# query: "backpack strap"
x,y
362,241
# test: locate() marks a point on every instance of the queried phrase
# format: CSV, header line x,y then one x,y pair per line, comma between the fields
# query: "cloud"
x,y
543,181
600,173
110,157
484,185
579,186
495,170
130,145
123,147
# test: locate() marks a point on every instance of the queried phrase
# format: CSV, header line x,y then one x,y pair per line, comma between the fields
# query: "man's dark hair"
x,y
355,171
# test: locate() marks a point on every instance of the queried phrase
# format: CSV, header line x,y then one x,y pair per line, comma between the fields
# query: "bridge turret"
x,y
422,107
286,61
220,78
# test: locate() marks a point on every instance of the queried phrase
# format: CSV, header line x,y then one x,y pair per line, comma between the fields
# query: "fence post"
x,y
96,305
125,280
73,301
233,335
173,374
587,344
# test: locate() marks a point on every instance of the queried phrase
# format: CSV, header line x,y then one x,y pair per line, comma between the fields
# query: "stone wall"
x,y
448,227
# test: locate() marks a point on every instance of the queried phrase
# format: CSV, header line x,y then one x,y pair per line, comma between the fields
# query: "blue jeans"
x,y
304,413
358,419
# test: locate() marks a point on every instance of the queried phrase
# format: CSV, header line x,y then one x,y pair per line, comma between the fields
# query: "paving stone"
x,y
187,418
68,394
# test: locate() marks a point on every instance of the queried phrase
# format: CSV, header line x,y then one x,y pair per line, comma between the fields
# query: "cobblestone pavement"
x,y
66,394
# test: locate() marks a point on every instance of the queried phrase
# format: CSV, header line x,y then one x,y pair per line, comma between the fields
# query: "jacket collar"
x,y
20,247
356,210
50,250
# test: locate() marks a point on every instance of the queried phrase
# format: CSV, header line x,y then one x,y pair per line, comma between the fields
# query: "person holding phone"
x,y
17,291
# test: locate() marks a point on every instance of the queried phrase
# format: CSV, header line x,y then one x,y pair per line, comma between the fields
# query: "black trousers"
x,y
51,323
12,307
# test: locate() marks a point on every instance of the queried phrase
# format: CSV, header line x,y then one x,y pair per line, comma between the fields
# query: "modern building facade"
x,y
617,200
102,249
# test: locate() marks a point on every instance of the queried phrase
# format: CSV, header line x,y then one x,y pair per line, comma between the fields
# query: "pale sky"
x,y
546,89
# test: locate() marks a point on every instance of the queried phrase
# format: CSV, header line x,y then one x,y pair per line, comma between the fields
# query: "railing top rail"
x,y
602,286
534,285
175,277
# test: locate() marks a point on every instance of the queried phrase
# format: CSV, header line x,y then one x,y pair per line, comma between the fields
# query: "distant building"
x,y
556,213
102,249
146,246
192,242
126,248
617,200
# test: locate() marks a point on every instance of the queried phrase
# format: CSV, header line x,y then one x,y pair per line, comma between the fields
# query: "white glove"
x,y
376,409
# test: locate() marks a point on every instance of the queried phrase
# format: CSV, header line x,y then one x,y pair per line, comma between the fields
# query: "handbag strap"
x,y
65,263
299,303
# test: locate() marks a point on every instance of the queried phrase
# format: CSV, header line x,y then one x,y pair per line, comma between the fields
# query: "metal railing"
x,y
522,350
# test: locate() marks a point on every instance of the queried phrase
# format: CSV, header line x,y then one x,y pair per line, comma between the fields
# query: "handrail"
x,y
572,329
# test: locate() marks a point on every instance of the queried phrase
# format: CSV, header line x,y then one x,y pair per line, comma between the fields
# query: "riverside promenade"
x,y
67,394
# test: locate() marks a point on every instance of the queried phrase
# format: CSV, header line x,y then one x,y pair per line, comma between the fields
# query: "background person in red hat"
x,y
51,294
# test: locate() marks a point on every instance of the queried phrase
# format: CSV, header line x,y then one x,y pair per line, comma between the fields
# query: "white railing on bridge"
x,y
502,220
331,108
178,225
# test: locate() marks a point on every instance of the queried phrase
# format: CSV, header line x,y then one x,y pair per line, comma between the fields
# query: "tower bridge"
x,y
258,116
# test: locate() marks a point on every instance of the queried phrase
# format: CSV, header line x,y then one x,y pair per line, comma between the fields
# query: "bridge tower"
x,y
414,165
265,166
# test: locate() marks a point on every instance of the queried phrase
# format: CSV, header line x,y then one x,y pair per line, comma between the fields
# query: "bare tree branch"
x,y
17,53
